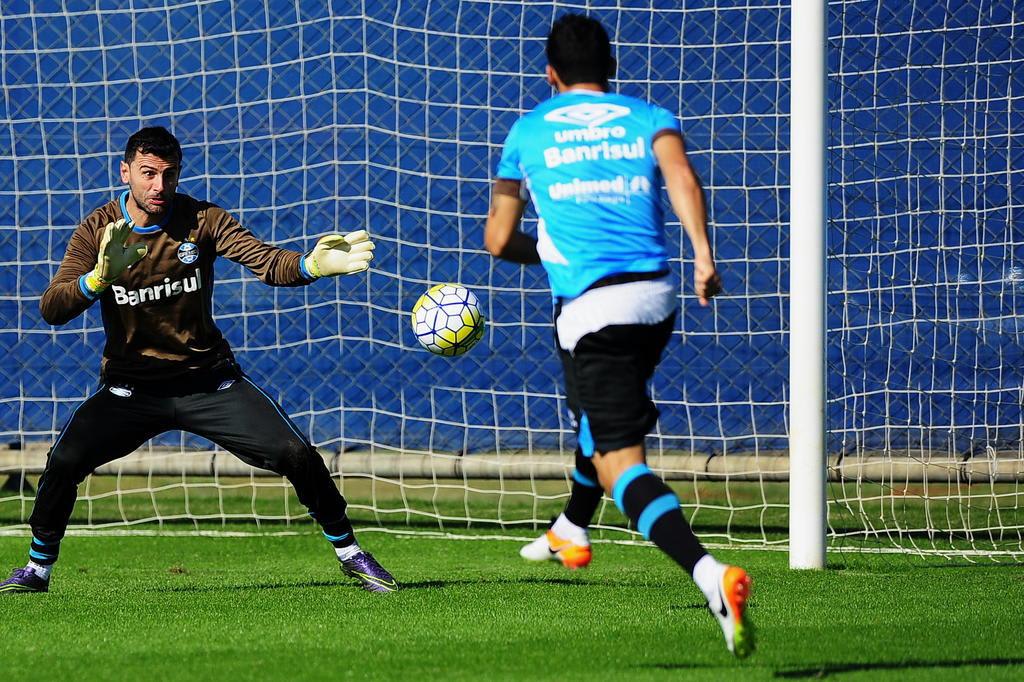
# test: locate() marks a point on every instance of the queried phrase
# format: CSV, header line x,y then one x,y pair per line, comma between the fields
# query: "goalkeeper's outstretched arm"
x,y
333,255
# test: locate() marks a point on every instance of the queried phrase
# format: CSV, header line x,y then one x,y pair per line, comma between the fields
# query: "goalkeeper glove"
x,y
337,254
115,256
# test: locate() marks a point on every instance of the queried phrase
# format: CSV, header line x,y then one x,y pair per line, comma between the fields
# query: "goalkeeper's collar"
x,y
149,229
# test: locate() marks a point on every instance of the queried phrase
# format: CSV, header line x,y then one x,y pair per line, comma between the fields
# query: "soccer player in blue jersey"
x,y
593,163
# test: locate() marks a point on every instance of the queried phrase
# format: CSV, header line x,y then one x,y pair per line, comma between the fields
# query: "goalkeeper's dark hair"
x,y
155,140
579,51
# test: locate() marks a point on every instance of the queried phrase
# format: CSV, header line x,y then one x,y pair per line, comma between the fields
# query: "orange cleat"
x,y
731,611
551,547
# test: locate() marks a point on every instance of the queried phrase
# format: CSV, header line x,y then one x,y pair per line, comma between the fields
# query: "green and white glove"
x,y
115,256
339,254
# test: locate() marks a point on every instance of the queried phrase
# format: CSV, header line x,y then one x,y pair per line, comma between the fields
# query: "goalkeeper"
x,y
593,162
148,258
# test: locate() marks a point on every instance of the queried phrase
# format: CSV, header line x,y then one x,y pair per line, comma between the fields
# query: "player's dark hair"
x,y
155,140
579,51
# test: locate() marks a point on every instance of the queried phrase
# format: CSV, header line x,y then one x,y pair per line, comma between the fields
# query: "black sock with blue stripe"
x,y
340,533
654,510
43,553
586,492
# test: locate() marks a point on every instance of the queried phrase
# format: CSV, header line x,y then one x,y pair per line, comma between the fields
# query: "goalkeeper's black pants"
x,y
235,414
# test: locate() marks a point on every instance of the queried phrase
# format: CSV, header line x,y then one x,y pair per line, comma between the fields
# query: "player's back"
x,y
587,161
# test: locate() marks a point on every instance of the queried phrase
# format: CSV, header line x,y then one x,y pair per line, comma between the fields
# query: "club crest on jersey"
x,y
587,114
188,253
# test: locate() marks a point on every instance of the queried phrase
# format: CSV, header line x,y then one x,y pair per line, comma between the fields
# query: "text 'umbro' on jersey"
x,y
587,161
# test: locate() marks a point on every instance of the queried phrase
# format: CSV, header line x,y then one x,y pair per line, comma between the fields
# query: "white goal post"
x,y
807,286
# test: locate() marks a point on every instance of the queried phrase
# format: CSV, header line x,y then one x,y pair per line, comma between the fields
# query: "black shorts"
x,y
606,379
235,414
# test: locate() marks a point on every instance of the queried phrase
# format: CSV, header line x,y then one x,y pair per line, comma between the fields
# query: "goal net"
x,y
306,117
926,275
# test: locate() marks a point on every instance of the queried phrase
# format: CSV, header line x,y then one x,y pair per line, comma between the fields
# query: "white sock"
x,y
40,570
347,552
564,528
707,574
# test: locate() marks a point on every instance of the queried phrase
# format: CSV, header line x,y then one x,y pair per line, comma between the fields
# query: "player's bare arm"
x,y
502,235
687,197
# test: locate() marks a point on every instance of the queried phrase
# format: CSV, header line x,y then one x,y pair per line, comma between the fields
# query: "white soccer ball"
x,y
447,319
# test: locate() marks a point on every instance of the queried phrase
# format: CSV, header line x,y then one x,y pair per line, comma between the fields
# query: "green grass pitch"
x,y
276,607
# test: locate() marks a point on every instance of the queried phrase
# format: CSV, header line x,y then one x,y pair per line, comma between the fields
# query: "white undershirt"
x,y
645,302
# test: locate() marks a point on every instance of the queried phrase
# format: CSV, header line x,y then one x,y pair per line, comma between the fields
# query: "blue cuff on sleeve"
x,y
84,289
302,268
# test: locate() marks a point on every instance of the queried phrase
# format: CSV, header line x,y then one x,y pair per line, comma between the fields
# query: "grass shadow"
x,y
687,607
680,666
412,585
433,584
827,669
278,585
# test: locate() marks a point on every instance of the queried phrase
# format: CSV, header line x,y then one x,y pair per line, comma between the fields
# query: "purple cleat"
x,y
364,568
24,580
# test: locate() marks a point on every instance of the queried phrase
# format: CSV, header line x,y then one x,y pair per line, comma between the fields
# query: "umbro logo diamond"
x,y
587,114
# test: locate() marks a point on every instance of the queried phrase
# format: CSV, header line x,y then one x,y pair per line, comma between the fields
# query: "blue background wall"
x,y
309,117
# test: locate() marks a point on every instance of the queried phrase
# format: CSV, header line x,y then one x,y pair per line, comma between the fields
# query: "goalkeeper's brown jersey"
x,y
158,314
